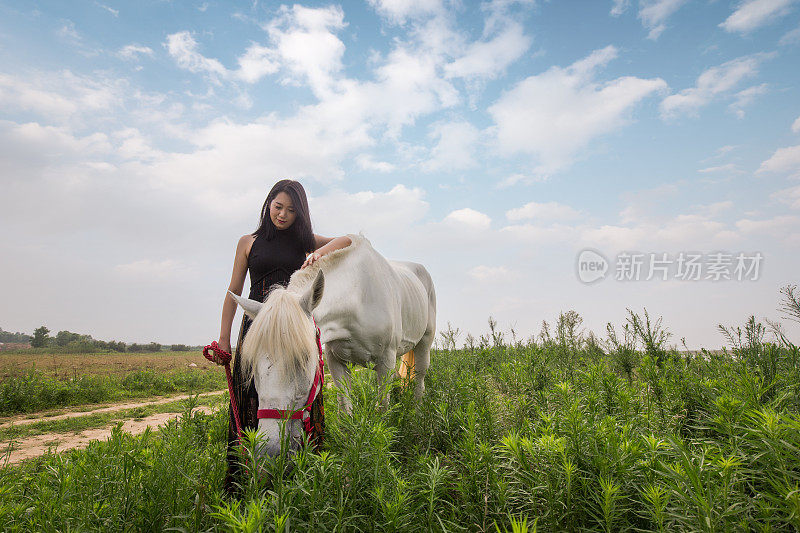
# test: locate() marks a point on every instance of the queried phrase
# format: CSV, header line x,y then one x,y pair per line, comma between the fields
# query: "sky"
x,y
494,142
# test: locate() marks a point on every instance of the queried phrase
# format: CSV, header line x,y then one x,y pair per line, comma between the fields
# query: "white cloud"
x,y
640,228
455,148
150,270
133,145
468,219
654,14
543,211
31,149
513,179
713,82
728,167
257,62
487,273
184,50
769,225
132,52
399,11
752,14
619,7
366,162
746,97
59,96
111,10
715,208
796,125
790,196
784,160
686,230
302,42
612,237
306,42
381,215
305,145
721,151
534,233
555,114
67,31
790,37
406,86
643,204
488,59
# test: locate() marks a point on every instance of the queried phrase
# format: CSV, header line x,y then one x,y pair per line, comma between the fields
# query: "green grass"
x,y
97,420
36,391
555,435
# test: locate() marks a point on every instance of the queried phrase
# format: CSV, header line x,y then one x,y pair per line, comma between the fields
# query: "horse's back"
x,y
370,303
423,276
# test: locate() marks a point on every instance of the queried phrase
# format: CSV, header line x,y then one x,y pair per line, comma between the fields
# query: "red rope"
x,y
225,357
303,414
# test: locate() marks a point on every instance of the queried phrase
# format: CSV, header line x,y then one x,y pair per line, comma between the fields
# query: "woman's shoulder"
x,y
246,242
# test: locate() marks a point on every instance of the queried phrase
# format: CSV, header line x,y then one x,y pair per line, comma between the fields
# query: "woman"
x,y
284,242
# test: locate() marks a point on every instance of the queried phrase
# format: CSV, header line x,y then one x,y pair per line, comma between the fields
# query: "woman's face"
x,y
281,211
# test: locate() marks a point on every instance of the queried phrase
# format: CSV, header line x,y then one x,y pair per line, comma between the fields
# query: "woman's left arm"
x,y
327,246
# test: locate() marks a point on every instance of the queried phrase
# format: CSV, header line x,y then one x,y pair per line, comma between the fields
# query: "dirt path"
x,y
59,442
37,445
22,420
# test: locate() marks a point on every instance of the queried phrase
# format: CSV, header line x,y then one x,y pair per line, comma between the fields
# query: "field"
x,y
57,400
35,382
73,365
561,433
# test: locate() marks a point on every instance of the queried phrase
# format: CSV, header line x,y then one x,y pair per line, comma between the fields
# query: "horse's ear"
x,y
313,295
250,307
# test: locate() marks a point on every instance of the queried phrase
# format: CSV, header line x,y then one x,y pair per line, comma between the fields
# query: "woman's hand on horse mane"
x,y
333,244
312,257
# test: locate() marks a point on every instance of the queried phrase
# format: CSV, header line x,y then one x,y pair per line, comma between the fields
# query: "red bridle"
x,y
303,414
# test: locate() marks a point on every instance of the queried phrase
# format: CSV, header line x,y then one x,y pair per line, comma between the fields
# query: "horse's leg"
x,y
422,359
385,372
341,377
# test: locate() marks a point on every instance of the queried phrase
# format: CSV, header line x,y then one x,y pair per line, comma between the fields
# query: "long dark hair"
x,y
301,227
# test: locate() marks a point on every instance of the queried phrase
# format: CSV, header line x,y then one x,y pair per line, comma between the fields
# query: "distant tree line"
x,y
68,341
7,336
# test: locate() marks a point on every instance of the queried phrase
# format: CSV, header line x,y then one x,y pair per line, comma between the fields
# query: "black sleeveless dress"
x,y
269,263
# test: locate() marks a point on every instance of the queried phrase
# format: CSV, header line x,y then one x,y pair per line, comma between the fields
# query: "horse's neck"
x,y
333,264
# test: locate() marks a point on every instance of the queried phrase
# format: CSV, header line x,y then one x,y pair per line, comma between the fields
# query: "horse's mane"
x,y
301,279
283,332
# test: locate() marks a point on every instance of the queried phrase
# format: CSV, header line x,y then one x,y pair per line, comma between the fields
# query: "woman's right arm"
x,y
236,286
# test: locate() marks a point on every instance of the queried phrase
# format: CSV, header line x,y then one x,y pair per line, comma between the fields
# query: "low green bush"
x,y
35,391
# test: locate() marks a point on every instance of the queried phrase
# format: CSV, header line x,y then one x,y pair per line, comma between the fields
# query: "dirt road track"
x,y
22,420
60,442
30,447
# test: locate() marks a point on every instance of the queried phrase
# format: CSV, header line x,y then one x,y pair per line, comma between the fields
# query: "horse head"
x,y
280,354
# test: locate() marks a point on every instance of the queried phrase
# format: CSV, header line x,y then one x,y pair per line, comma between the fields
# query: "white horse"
x,y
368,310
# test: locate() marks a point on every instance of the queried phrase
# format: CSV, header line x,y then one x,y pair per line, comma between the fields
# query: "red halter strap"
x,y
304,413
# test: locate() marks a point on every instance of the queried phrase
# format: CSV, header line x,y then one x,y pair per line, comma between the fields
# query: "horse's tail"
x,y
407,365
